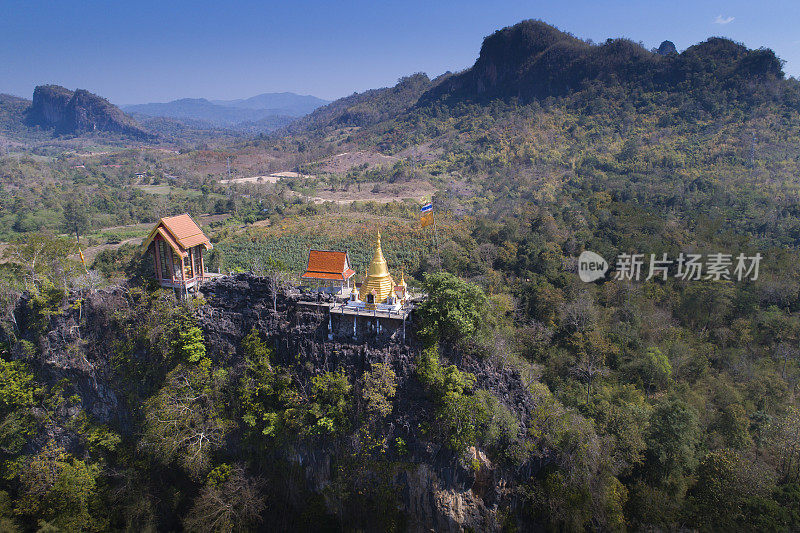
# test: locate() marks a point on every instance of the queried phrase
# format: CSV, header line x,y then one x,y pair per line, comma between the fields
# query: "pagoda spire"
x,y
378,278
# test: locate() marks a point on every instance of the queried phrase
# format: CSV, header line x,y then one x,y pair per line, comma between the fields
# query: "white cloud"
x,y
723,20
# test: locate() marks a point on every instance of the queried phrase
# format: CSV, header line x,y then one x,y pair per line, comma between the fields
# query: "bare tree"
x,y
9,294
590,365
580,313
182,422
277,279
785,351
785,442
235,504
88,282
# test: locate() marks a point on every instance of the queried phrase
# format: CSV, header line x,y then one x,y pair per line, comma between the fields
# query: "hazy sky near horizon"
x,y
147,51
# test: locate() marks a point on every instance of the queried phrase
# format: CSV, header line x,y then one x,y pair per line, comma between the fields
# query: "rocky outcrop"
x,y
49,105
433,488
67,112
436,490
666,48
533,60
76,347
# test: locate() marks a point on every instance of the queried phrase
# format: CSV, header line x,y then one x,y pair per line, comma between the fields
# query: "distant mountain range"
x,y
530,61
56,112
271,108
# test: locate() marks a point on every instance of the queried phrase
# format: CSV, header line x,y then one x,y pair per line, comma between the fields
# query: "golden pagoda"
x,y
378,285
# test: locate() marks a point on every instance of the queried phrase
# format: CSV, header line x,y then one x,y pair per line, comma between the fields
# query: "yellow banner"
x,y
426,219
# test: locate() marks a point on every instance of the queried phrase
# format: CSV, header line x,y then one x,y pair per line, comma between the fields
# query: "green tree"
x,y
268,399
190,345
8,522
718,495
379,385
453,308
706,305
17,386
672,439
61,490
654,368
76,214
19,395
459,415
331,393
733,425
42,257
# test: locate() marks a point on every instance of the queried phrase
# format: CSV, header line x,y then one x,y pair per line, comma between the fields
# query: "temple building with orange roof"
x,y
329,267
376,306
177,245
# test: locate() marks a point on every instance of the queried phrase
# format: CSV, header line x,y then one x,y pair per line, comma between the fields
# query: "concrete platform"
x,y
338,308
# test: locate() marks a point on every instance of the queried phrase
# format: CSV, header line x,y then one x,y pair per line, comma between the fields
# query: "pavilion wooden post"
x,y
182,283
156,259
191,262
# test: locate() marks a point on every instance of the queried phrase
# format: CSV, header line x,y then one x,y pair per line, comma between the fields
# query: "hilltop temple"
x,y
379,291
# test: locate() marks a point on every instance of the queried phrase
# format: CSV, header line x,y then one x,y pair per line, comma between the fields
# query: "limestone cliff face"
x,y
49,105
433,488
76,347
68,112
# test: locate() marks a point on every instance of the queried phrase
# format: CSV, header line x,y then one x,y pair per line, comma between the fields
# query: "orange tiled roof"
x,y
184,231
171,241
324,264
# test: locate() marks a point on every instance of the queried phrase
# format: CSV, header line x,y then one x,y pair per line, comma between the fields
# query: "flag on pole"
x,y
426,215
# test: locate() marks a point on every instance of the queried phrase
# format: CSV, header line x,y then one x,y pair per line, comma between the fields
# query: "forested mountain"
x,y
523,398
12,113
533,60
367,108
549,146
59,116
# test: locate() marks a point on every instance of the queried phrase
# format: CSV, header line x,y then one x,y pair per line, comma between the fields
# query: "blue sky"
x,y
145,51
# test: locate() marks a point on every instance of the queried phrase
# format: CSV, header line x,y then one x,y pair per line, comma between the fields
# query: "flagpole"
x,y
80,252
436,237
428,217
